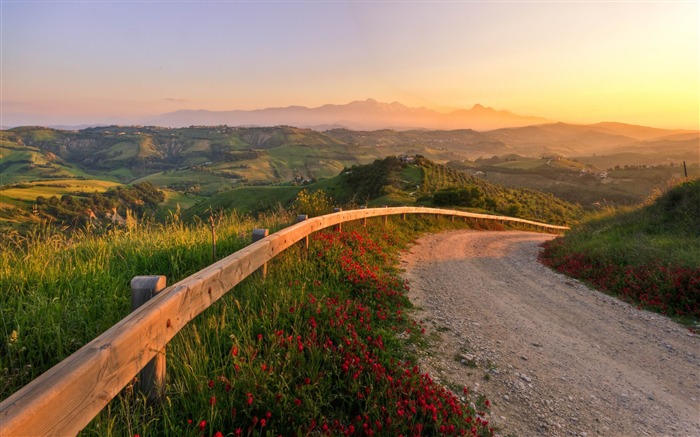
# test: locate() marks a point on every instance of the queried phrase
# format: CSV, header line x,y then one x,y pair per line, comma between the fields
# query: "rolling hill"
x,y
407,181
192,163
275,154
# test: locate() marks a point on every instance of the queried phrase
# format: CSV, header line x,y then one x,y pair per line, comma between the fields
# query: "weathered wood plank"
x,y
68,396
152,376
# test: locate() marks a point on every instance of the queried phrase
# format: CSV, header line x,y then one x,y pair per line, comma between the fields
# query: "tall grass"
x,y
649,254
59,291
313,348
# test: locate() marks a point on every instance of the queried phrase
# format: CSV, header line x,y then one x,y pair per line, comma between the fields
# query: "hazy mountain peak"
x,y
368,114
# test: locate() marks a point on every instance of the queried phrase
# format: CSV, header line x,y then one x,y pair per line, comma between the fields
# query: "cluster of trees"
x,y
369,181
465,196
445,186
80,208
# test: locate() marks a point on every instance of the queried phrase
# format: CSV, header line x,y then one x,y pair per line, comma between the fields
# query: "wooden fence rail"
x,y
64,399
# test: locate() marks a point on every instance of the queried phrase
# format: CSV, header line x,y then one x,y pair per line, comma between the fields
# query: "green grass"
x,y
393,199
389,182
43,134
412,174
55,187
175,199
648,255
21,164
319,161
247,199
59,293
125,150
210,183
667,229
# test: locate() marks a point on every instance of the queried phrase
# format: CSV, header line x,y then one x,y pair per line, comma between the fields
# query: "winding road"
x,y
554,357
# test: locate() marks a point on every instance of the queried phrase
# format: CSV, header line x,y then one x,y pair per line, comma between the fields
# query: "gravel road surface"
x,y
554,357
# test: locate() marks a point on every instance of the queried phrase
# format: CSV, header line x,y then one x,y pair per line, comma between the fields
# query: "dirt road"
x,y
554,357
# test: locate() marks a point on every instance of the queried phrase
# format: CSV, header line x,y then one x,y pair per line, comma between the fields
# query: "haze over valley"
x,y
590,165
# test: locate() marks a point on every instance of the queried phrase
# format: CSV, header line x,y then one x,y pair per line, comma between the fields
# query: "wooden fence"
x,y
63,400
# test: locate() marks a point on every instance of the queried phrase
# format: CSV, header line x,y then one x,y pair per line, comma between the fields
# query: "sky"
x,y
82,62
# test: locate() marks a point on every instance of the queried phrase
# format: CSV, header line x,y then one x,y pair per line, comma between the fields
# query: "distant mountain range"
x,y
358,115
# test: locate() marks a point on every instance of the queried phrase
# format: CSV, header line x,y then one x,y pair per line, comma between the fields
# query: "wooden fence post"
x,y
363,220
385,218
339,226
259,234
213,239
301,218
152,377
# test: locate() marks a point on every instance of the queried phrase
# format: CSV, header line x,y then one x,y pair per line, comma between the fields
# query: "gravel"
x,y
555,357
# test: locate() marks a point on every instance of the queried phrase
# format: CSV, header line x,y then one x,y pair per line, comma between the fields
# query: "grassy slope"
x,y
212,160
396,186
649,254
619,187
269,349
28,192
667,229
246,199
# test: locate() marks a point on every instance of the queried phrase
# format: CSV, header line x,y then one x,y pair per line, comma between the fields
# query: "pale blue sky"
x,y
89,61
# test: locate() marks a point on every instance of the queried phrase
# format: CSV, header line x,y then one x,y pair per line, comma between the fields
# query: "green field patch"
x,y
175,199
199,182
393,199
251,170
57,187
7,202
43,134
123,151
412,174
246,199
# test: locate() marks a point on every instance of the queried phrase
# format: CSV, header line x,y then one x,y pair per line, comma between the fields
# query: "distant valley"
x,y
604,163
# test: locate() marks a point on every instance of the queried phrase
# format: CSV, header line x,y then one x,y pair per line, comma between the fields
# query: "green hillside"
x,y
20,163
649,254
204,160
199,162
411,181
246,199
589,182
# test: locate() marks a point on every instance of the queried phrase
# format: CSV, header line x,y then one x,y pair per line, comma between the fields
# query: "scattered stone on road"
x,y
554,357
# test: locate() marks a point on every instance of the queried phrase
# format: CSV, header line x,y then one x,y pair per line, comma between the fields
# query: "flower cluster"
x,y
331,362
674,291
